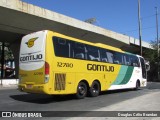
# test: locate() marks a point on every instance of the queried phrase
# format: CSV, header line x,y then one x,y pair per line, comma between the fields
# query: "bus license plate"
x,y
29,86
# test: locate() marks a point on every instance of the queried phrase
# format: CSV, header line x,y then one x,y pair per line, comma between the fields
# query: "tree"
x,y
152,56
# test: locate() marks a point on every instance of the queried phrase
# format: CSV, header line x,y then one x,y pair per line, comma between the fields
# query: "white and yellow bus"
x,y
55,64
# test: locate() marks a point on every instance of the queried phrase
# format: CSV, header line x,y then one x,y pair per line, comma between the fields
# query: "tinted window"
x,y
104,57
62,47
71,49
127,60
79,50
144,75
134,61
118,58
110,56
93,53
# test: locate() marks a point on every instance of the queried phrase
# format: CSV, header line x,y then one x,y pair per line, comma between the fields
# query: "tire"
x,y
137,85
94,89
81,90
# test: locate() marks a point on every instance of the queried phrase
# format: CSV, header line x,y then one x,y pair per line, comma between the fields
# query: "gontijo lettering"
x,y
94,67
28,58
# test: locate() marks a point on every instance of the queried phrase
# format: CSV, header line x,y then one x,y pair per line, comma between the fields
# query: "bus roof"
x,y
109,47
89,43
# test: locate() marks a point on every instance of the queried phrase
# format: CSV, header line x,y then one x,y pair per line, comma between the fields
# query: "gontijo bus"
x,y
55,64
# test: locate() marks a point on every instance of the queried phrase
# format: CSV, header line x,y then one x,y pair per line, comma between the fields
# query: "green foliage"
x,y
8,55
152,56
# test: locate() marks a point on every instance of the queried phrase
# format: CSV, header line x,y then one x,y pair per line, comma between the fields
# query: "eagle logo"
x,y
30,42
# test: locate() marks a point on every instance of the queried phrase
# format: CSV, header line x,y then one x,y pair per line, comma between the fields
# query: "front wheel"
x,y
94,89
137,85
81,90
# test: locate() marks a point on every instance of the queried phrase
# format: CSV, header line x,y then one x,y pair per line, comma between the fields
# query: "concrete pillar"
x,y
15,47
2,61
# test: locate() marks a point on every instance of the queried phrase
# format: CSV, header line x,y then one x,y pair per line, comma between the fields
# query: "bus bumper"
x,y
144,83
38,88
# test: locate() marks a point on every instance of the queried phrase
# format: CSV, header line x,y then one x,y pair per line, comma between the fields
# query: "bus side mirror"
x,y
147,67
147,63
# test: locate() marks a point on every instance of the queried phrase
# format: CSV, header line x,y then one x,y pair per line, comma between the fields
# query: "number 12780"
x,y
60,64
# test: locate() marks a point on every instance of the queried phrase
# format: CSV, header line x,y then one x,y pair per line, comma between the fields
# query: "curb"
x,y
5,87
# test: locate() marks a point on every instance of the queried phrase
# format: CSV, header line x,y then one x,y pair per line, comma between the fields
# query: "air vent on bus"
x,y
60,81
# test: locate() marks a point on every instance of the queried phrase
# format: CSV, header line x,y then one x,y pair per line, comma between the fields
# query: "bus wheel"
x,y
94,89
81,90
137,85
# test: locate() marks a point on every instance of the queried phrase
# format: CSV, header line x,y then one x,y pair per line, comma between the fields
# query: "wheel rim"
x,y
95,88
82,90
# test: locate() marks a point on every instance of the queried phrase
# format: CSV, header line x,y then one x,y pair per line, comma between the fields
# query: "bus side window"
x,y
79,50
110,56
127,60
104,55
137,62
134,61
61,47
93,53
118,58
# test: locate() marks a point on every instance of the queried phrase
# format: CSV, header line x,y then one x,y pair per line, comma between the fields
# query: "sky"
x,y
116,15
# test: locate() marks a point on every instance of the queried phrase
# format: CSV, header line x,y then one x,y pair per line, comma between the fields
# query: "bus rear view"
x,y
33,68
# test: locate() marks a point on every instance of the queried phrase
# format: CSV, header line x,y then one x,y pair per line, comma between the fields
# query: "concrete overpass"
x,y
19,18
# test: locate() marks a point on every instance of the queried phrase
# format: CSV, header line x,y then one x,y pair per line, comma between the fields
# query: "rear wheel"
x,y
94,89
81,90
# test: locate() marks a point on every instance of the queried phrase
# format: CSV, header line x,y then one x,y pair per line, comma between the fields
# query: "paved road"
x,y
127,100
